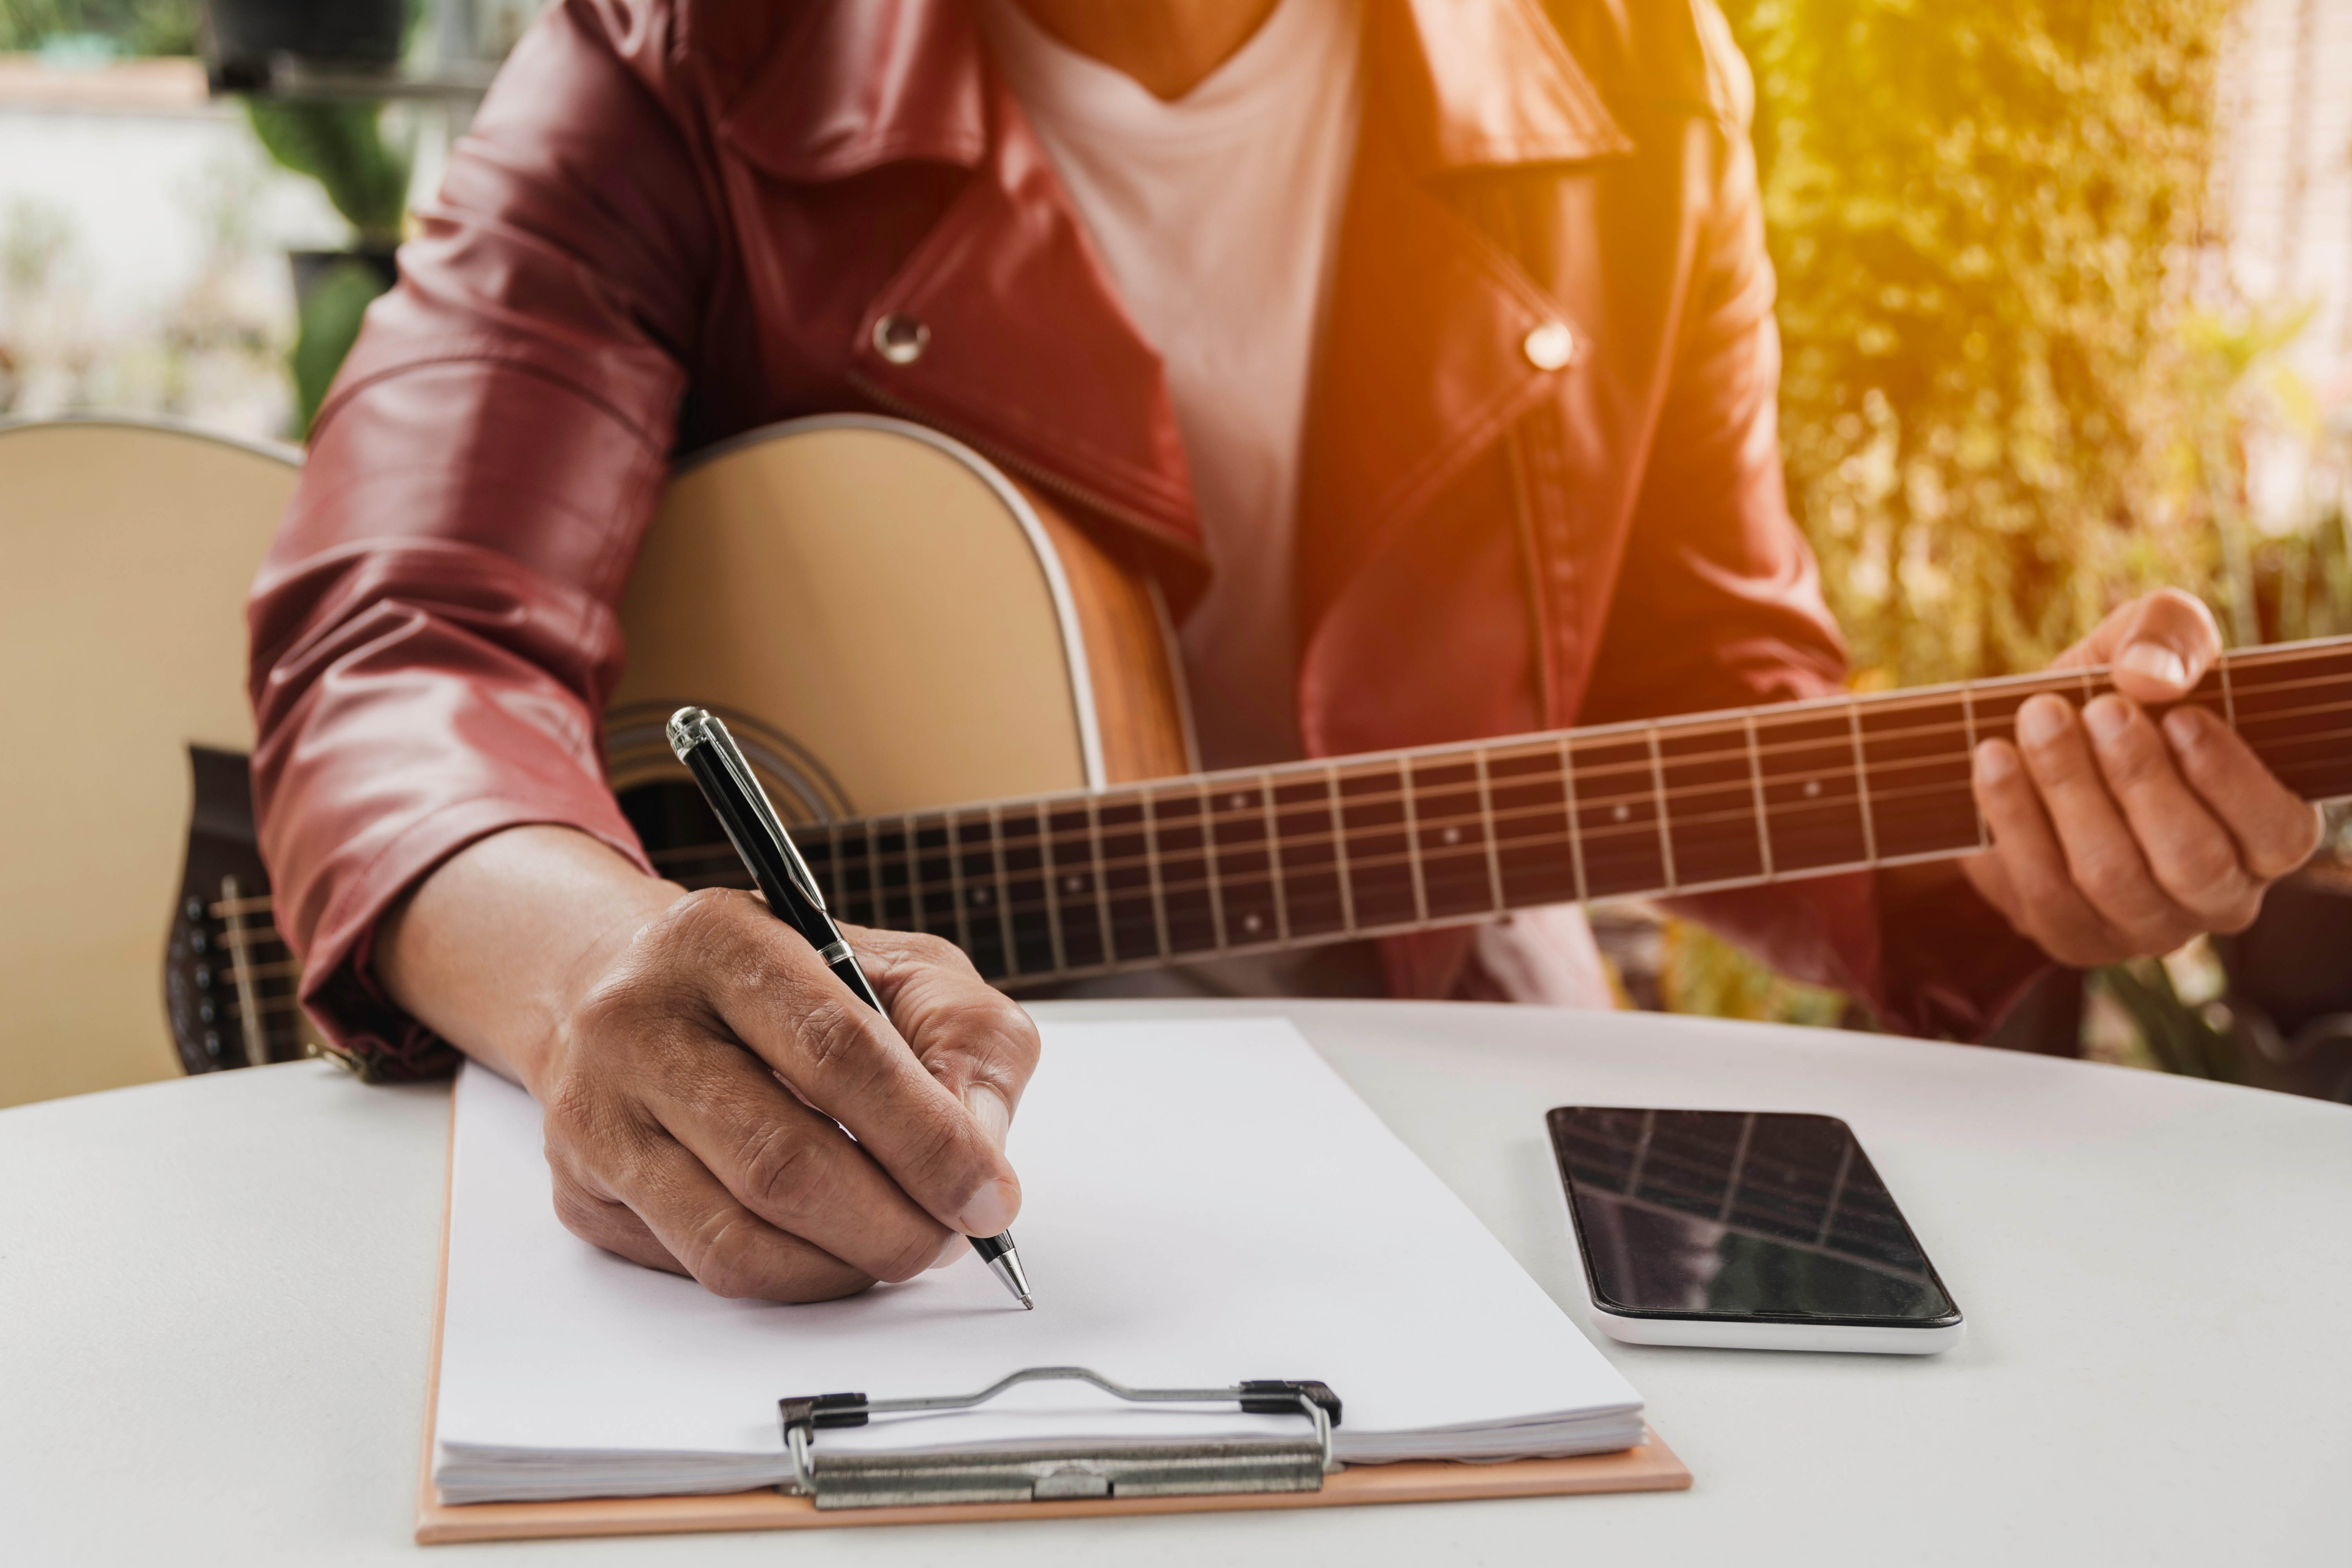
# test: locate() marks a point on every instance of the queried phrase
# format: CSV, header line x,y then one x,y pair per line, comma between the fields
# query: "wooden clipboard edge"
x,y
1650,1467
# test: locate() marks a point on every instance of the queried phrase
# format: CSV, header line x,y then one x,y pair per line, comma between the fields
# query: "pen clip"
x,y
692,727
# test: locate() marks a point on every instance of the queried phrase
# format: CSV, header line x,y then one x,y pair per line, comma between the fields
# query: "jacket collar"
x,y
1482,84
854,84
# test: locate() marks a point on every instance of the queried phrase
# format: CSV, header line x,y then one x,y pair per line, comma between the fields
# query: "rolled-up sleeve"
x,y
434,631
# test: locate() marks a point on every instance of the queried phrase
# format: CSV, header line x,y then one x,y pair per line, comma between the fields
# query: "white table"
x,y
216,1297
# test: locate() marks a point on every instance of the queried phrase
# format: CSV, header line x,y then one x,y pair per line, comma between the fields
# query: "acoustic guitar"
x,y
810,576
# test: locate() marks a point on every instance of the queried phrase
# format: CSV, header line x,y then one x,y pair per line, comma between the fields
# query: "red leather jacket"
x,y
674,220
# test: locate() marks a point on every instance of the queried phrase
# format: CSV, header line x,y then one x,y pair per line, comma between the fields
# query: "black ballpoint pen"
x,y
710,754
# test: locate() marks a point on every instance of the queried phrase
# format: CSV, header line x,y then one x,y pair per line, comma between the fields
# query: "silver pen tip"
x,y
1006,1266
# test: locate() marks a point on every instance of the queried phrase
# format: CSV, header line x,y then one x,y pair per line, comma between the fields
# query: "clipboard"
x,y
1649,1467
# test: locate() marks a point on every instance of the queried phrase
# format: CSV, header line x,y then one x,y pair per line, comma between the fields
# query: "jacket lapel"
x,y
850,87
1425,362
1472,84
1029,353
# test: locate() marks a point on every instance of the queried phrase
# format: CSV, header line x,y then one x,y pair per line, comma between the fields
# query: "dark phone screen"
x,y
1739,1214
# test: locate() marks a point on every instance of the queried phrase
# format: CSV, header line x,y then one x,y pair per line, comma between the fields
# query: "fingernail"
x,y
991,1209
988,1107
1994,763
2155,661
2106,718
2042,720
2183,727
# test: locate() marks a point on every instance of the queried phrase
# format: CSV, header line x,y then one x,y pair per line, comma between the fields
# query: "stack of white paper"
x,y
1206,1203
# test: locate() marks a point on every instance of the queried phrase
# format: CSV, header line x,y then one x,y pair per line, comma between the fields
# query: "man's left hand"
x,y
2115,836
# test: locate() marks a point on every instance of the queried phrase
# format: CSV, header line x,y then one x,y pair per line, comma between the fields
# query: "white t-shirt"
x,y
1216,218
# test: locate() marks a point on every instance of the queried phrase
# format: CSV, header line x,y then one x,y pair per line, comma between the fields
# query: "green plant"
x,y
2179,1035
1702,973
343,147
365,175
1992,410
134,27
332,314
2000,413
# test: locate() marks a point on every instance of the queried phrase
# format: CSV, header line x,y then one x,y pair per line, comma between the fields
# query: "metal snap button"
x,y
1548,346
901,339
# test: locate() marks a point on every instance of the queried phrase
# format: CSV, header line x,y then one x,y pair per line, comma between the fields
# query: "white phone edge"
x,y
1721,1333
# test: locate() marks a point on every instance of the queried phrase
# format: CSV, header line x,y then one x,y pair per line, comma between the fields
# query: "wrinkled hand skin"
x,y
2116,836
699,1083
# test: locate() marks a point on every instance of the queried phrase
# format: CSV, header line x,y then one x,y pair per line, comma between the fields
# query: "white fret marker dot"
x,y
1252,924
1813,788
1073,884
1622,812
1240,801
980,895
1454,836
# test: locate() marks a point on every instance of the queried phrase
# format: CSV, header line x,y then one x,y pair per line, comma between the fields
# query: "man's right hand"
x,y
659,1030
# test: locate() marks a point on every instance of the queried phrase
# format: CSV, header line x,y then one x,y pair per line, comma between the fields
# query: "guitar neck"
x,y
1066,885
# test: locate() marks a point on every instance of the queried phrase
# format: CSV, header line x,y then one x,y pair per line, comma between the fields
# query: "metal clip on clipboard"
x,y
1040,1475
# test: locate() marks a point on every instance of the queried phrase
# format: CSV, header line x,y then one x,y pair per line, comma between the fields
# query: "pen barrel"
x,y
846,970
759,852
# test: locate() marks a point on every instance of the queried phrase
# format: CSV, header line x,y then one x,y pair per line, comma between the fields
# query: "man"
x,y
1423,350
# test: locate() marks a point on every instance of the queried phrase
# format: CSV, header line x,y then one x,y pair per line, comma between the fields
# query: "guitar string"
x,y
1637,800
1504,751
1638,770
1467,856
1691,832
918,888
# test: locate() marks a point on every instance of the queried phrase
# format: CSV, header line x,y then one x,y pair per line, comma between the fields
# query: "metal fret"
x,y
1969,717
1002,893
915,917
1273,855
1340,853
1413,840
1756,783
1102,879
955,880
1151,864
833,864
1053,894
2228,697
1575,825
874,871
1658,794
1487,824
1209,863
1862,783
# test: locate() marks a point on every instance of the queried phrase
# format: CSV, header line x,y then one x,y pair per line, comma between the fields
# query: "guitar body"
x,y
125,556
979,705
886,622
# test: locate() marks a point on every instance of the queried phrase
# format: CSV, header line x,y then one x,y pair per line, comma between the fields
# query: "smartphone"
x,y
1739,1229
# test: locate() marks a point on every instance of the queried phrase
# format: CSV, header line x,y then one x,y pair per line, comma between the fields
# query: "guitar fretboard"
x,y
1064,886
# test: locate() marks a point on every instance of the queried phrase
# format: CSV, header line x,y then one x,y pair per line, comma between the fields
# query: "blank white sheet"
x,y
1204,1203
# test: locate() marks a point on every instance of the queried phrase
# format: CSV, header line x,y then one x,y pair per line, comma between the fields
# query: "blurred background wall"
x,y
2066,294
